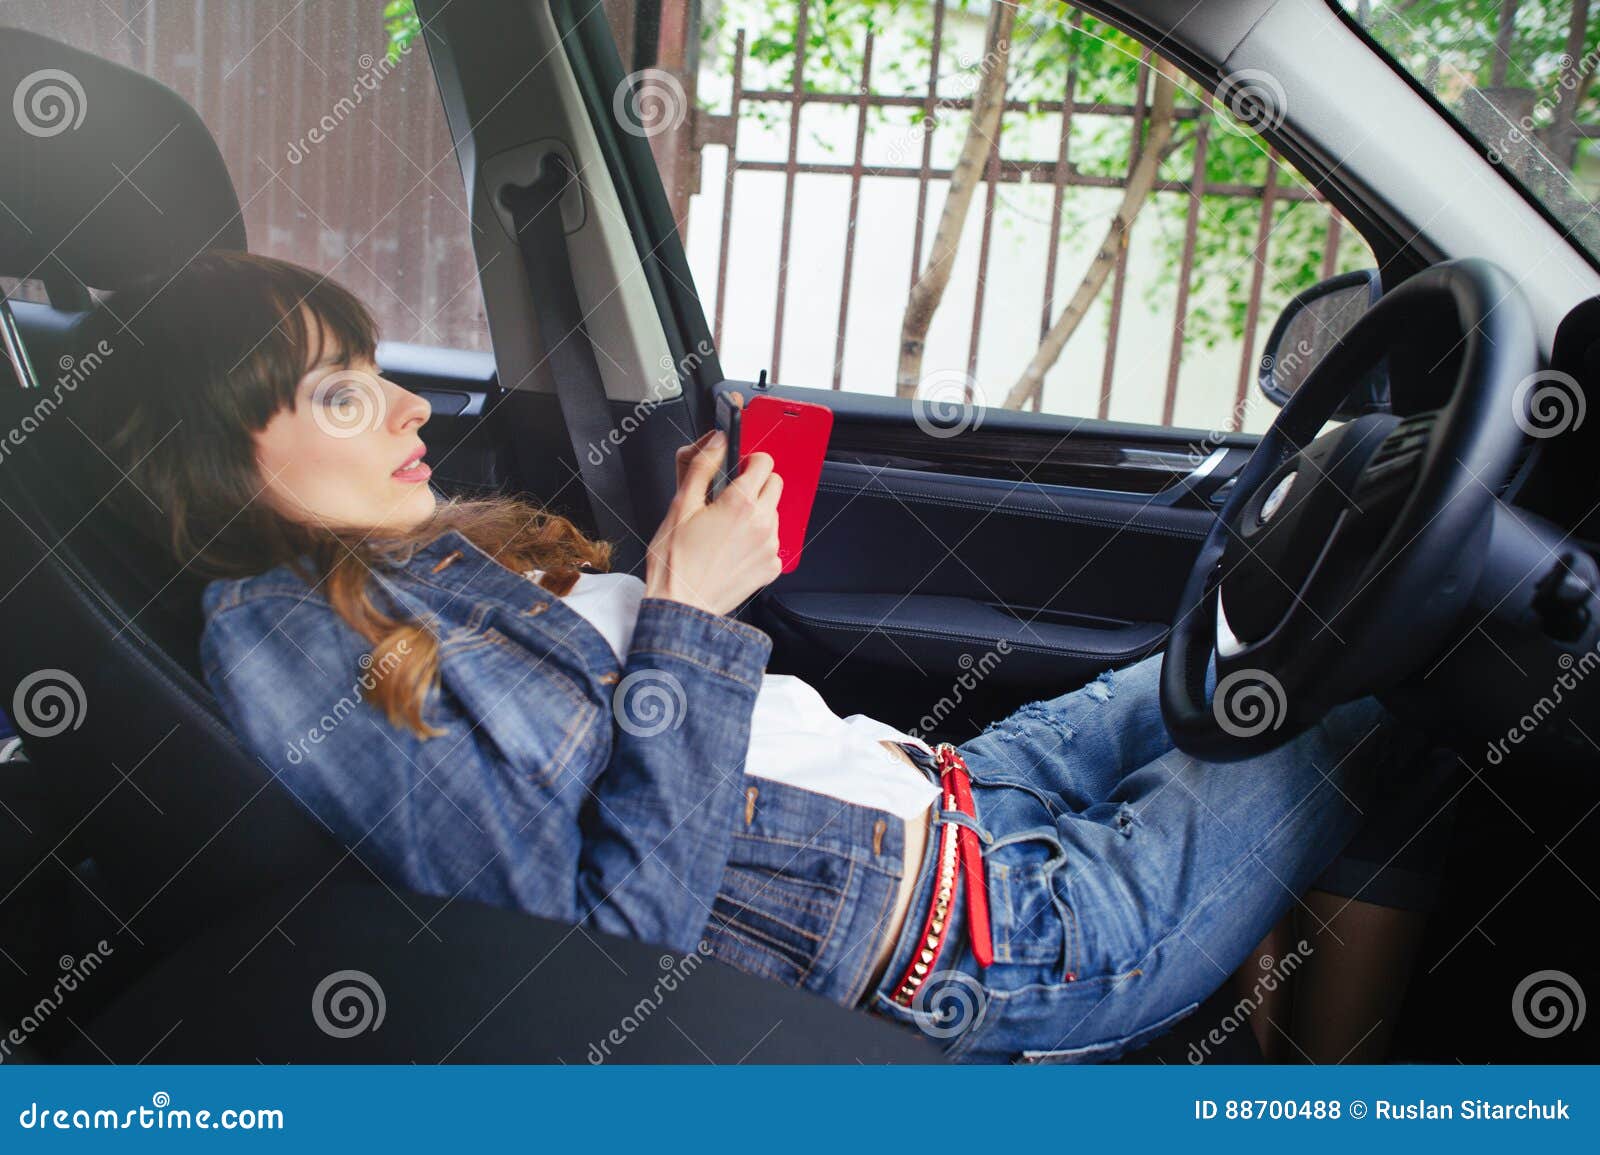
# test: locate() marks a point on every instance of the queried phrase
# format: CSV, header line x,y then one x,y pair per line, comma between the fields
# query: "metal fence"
x,y
379,204
1057,173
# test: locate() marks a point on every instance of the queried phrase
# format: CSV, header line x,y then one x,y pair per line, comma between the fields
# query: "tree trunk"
x,y
987,103
1141,180
1561,137
1503,38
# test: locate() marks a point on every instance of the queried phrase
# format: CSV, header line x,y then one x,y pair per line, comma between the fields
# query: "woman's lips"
x,y
413,471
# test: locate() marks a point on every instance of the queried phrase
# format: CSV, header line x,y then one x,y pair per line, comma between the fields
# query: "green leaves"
x,y
401,25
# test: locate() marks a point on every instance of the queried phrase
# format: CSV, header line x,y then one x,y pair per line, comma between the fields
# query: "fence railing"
x,y
1059,174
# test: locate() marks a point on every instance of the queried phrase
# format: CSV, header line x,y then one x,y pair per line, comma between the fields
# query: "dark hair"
x,y
204,358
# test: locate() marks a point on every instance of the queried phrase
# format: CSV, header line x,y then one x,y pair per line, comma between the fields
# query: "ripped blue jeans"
x,y
1127,880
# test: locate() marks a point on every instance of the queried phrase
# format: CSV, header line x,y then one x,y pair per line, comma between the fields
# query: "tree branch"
x,y
987,104
1141,181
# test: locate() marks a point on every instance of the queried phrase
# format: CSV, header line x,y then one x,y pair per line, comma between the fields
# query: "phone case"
x,y
728,417
796,434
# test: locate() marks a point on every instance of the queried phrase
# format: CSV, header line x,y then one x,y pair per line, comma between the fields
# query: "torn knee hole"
x,y
1124,821
1100,689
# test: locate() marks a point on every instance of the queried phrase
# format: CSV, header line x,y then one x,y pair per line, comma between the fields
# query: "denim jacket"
x,y
547,793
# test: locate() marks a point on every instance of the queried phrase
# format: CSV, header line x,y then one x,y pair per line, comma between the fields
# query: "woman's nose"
x,y
407,410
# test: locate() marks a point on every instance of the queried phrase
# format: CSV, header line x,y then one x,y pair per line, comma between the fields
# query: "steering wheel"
x,y
1341,562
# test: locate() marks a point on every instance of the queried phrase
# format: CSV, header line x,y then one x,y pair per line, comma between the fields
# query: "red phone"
x,y
796,434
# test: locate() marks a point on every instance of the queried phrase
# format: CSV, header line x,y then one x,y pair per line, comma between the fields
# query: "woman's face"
x,y
347,454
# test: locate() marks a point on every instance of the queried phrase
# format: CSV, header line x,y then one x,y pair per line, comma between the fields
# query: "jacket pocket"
x,y
777,906
521,703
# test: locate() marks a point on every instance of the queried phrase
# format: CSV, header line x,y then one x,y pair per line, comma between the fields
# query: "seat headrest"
x,y
107,172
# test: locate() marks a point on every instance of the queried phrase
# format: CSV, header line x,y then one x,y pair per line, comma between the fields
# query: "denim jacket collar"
x,y
453,564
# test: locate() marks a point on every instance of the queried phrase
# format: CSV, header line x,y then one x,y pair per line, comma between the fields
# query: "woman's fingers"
x,y
685,454
752,476
771,490
697,473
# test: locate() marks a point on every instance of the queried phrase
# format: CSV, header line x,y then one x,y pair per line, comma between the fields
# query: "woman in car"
x,y
464,696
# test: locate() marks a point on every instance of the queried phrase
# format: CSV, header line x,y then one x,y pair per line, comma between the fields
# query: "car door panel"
x,y
955,565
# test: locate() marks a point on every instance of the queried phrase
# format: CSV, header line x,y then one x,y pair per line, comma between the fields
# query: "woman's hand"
x,y
714,555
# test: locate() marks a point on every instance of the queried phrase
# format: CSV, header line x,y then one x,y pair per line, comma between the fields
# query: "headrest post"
x,y
16,351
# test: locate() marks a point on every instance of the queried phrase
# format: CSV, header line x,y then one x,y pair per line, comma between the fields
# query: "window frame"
x,y
1454,124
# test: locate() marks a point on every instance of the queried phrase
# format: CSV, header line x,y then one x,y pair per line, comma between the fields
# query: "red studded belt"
x,y
960,860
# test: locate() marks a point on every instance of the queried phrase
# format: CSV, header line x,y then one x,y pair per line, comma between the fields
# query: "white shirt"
x,y
794,737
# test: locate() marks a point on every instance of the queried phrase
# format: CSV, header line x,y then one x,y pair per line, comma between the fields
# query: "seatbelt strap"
x,y
569,357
